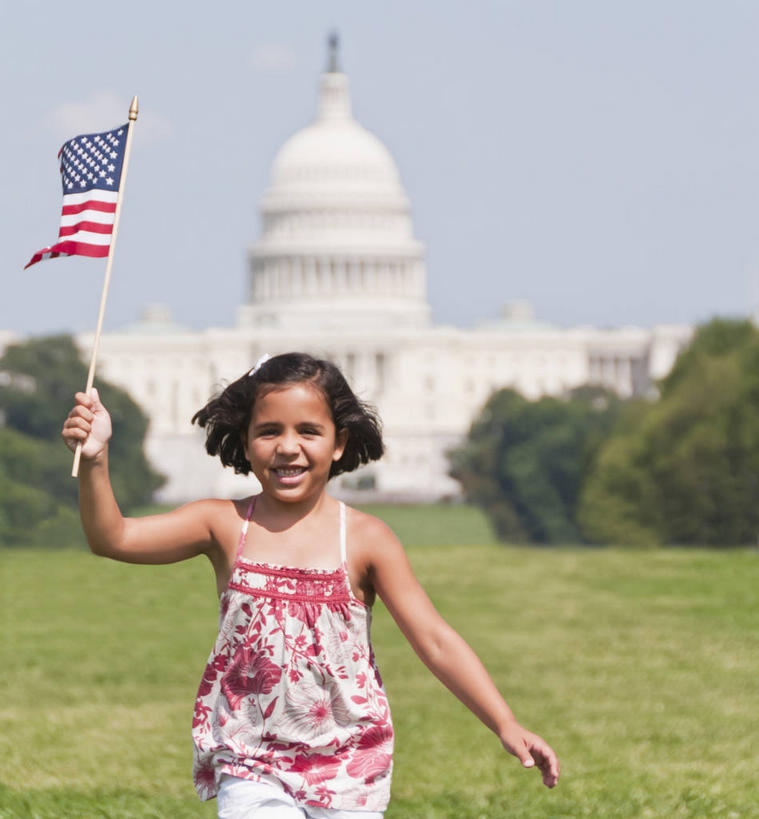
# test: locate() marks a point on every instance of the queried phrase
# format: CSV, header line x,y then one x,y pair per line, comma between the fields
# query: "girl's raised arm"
x,y
446,653
166,538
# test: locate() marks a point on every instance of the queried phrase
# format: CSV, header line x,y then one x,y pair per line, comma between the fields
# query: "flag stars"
x,y
92,160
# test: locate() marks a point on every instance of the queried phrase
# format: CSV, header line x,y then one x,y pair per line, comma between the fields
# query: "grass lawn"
x,y
640,667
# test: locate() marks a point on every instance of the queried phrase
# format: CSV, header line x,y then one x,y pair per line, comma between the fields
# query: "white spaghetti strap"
x,y
246,523
343,552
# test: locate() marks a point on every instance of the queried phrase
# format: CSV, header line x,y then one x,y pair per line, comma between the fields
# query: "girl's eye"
x,y
309,431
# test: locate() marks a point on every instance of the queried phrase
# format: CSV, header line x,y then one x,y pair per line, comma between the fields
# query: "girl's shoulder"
x,y
365,524
367,533
219,507
371,543
224,517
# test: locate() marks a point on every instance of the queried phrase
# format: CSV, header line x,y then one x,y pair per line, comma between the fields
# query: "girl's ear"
x,y
341,439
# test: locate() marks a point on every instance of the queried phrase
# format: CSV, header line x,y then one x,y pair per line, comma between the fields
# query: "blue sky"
x,y
599,159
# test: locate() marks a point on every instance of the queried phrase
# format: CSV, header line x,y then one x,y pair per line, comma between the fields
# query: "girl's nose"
x,y
287,444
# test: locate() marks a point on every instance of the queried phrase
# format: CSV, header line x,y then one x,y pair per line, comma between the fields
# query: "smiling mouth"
x,y
289,471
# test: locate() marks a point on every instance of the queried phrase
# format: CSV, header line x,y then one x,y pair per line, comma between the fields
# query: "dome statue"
x,y
337,246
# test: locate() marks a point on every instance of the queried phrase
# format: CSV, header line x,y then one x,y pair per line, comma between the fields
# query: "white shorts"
x,y
244,799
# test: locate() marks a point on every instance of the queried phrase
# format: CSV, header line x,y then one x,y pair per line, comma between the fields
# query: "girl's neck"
x,y
278,515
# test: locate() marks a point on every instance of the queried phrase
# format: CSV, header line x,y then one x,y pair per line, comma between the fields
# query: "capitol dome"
x,y
337,244
336,158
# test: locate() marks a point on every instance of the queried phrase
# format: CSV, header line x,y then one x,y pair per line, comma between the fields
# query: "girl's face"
x,y
292,442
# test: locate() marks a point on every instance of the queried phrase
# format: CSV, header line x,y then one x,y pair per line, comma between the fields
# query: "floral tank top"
x,y
291,694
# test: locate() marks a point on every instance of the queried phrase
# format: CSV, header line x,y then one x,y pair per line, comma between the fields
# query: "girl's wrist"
x,y
506,726
98,459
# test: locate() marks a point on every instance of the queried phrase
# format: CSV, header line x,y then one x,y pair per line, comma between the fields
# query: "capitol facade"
x,y
338,272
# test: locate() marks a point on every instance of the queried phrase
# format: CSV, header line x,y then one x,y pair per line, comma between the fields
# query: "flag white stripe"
x,y
88,238
94,195
87,216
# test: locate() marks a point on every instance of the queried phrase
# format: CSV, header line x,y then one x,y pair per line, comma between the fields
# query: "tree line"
x,y
682,469
38,496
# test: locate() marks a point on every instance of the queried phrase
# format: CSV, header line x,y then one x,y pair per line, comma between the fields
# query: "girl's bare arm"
x,y
165,538
447,654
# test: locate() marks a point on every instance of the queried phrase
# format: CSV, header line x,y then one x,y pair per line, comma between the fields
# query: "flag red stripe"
x,y
37,258
92,227
69,248
80,249
93,204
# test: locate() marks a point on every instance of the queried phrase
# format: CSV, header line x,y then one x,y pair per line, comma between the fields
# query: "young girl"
x,y
291,719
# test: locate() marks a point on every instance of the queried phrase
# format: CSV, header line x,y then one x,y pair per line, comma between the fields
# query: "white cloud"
x,y
273,57
103,110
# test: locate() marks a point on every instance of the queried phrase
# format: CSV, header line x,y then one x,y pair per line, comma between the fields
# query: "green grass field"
x,y
640,667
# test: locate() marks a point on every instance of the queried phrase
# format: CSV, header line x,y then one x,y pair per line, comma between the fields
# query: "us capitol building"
x,y
338,272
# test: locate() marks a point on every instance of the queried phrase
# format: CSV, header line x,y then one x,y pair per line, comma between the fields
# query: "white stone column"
x,y
278,274
624,382
380,374
311,276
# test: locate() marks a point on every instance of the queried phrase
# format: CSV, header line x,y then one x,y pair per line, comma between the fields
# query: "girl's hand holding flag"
x,y
88,424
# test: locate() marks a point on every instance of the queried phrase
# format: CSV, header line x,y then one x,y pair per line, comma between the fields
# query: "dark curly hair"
x,y
226,416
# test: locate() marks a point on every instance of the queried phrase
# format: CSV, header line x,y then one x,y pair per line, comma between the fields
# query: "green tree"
x,y
38,496
685,469
523,462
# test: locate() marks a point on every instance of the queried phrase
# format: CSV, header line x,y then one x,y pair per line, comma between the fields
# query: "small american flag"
x,y
91,174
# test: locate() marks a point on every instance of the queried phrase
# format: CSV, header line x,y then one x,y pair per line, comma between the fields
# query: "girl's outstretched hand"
x,y
531,750
88,423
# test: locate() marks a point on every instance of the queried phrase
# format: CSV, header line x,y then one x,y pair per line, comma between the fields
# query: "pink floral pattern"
x,y
291,693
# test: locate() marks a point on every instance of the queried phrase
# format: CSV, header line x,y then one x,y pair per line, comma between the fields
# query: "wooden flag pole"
x,y
96,343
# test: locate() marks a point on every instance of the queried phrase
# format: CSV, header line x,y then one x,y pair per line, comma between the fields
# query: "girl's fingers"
x,y
78,424
87,424
533,751
76,428
81,412
72,437
547,761
79,419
